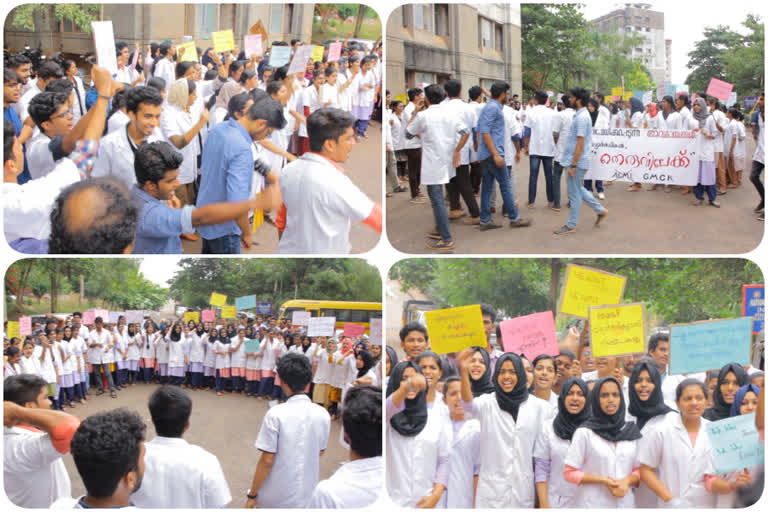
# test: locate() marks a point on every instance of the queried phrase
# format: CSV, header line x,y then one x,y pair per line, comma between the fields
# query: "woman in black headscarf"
x,y
731,377
480,372
208,59
364,363
553,443
646,403
391,362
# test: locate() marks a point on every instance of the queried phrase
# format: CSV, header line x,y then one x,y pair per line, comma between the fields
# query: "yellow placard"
x,y
223,40
628,95
617,91
585,287
228,312
190,52
218,299
403,98
13,330
317,53
617,330
191,315
454,329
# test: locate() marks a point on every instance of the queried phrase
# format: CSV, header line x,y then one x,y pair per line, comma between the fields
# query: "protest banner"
x,y
708,345
317,53
376,331
264,308
647,97
719,89
617,330
25,325
252,45
300,58
103,313
228,312
617,91
661,90
104,42
585,287
218,299
114,316
279,56
209,315
334,52
252,346
321,326
732,99
190,52
134,316
753,304
13,330
616,98
353,330
627,95
223,40
301,317
191,315
89,317
454,329
637,93
247,302
735,443
668,157
530,335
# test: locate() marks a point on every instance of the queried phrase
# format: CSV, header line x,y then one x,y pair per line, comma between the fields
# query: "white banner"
x,y
376,331
668,157
301,317
104,41
321,326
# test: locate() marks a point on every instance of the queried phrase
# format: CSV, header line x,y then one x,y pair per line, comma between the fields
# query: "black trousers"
x,y
462,185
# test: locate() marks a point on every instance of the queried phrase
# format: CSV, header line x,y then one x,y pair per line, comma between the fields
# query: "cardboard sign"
x,y
709,345
104,42
321,326
247,302
647,97
258,28
218,299
252,346
134,316
25,325
252,45
89,317
190,52
530,335
191,315
317,53
209,315
719,89
616,98
661,91
353,330
617,91
617,330
13,330
627,95
114,316
454,329
223,40
228,312
334,52
753,304
735,443
585,287
300,58
264,308
103,313
301,317
376,331
732,99
279,56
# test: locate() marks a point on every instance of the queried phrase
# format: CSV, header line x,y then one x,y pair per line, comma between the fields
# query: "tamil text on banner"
x,y
454,329
585,287
228,312
667,157
353,330
279,56
191,315
735,443
25,325
376,330
301,317
223,40
617,330
709,345
321,326
104,42
218,299
719,89
252,45
530,335
247,302
209,315
753,304
300,58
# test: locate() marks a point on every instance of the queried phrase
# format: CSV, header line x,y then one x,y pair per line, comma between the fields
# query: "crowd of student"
x,y
109,450
492,429
167,147
438,139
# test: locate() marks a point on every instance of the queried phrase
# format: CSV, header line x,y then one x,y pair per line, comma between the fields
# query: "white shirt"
x,y
39,157
34,475
116,158
295,432
22,106
440,130
354,485
321,203
180,475
176,122
465,450
312,100
237,358
166,70
561,127
512,127
549,446
176,351
117,121
47,370
759,154
468,116
603,122
196,347
30,365
706,145
160,348
126,75
541,120
721,121
99,355
323,371
331,93
398,135
415,142
76,105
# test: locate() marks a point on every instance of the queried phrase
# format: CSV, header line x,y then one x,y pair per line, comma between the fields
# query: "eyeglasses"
x,y
63,115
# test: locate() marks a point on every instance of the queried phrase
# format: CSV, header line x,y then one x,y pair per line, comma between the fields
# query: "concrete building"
x,y
142,23
639,19
431,43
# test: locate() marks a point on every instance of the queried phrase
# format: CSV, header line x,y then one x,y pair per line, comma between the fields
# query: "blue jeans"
x,y
362,126
229,244
534,177
577,193
557,173
598,185
435,193
500,174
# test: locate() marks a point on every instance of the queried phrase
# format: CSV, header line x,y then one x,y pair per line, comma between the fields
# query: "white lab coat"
x,y
197,347
323,371
440,129
512,127
644,496
176,122
237,358
222,360
353,485
465,450
541,120
176,351
561,493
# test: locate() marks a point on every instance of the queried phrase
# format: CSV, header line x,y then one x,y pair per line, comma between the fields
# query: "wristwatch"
x,y
251,496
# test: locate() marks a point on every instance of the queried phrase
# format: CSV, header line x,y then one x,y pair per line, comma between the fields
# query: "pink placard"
x,y
530,335
209,315
89,317
334,51
353,330
719,89
135,59
252,44
103,313
25,325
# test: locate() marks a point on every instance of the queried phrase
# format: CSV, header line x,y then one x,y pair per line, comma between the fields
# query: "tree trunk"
x,y
54,285
82,288
22,287
555,266
359,20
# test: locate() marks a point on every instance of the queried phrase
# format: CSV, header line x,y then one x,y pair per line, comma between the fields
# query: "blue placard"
x,y
279,56
735,443
252,346
709,345
753,304
264,308
247,302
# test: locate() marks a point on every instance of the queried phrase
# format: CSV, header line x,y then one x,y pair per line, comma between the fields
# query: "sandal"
x,y
440,245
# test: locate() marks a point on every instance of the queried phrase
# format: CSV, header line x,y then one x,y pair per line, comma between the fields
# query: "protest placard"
x,y
317,53
25,325
617,330
252,45
753,304
279,56
735,443
300,58
732,99
585,287
228,312
334,52
89,317
223,40
617,91
321,326
114,316
530,335
353,330
719,89
218,299
104,42
376,331
454,329
103,313
708,345
13,330
627,95
301,317
134,316
209,315
264,308
191,315
661,90
247,302
252,346
190,52
258,28
647,97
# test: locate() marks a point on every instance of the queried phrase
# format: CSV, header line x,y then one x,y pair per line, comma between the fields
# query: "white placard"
x,y
376,331
321,326
647,98
104,42
299,63
301,317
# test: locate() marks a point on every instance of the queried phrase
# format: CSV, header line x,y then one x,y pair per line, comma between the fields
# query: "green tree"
x,y
707,59
81,15
745,63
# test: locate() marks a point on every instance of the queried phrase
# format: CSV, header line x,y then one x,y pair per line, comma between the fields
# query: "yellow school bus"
x,y
355,312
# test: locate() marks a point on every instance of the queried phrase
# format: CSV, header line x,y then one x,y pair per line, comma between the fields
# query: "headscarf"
x,y
740,394
593,115
654,406
179,94
653,110
346,346
207,59
368,363
721,409
702,115
411,420
510,402
565,423
306,347
393,359
361,343
483,385
636,105
610,427
226,92
224,336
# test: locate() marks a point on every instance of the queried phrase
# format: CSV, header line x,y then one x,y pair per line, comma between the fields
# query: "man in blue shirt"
x,y
490,128
227,170
12,85
575,158
159,227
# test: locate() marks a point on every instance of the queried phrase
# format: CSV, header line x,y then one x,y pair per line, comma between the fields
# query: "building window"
x,y
206,18
489,34
441,20
423,15
67,26
276,18
421,78
499,33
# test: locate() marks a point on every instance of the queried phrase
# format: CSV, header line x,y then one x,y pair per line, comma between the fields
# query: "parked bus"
x,y
344,311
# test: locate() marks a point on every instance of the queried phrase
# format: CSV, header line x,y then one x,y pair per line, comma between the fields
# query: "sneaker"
x,y
564,230
435,235
471,221
600,195
418,200
520,223
715,204
600,217
485,226
440,245
456,214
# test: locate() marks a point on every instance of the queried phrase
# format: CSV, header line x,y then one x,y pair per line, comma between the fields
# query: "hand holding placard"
x,y
585,287
735,443
617,330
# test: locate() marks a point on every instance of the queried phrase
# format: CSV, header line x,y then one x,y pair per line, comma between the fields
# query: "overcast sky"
x,y
684,23
159,269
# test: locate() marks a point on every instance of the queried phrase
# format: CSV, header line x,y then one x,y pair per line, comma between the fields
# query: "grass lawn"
x,y
370,29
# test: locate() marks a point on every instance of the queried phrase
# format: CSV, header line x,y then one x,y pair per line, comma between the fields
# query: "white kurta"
x,y
237,358
561,493
465,450
176,122
353,485
644,496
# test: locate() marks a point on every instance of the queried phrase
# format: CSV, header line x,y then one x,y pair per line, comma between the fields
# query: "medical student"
x,y
65,362
418,446
321,379
237,361
81,350
735,148
30,365
312,99
544,370
366,371
465,449
196,355
147,340
12,362
707,139
270,347
253,366
75,349
177,359
553,443
221,348
331,87
121,354
133,351
432,368
46,355
510,420
732,376
480,372
602,454
209,363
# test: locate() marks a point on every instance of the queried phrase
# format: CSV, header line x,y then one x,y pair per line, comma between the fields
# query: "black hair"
x,y
60,85
153,160
157,83
295,370
327,124
488,310
142,94
579,93
600,97
44,105
108,232
247,75
21,389
170,408
9,74
17,60
432,355
190,87
414,93
280,73
566,99
499,88
316,75
182,67
211,74
413,326
331,69
434,93
474,92
236,104
452,88
267,109
234,66
394,104
119,47
48,70
9,137
653,343
294,41
566,353
690,382
274,86
106,447
684,98
361,417
669,99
